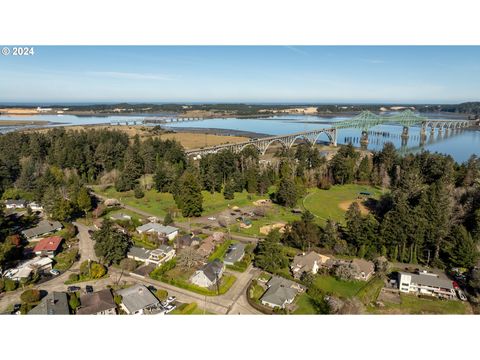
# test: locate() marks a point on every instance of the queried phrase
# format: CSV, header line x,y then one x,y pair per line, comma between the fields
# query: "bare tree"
x,y
189,258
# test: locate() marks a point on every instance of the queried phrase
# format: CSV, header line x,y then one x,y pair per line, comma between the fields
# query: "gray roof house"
x,y
15,204
281,292
44,227
137,300
235,253
170,231
158,256
98,303
186,241
55,303
120,217
209,274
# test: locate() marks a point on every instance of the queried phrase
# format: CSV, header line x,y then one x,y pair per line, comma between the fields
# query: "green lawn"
x,y
220,250
325,204
344,289
304,305
369,293
159,204
414,305
189,309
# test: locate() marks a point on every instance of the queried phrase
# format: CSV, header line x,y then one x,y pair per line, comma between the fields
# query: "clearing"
x,y
333,203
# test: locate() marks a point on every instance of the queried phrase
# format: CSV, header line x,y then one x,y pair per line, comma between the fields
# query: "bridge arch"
x,y
329,135
264,146
250,144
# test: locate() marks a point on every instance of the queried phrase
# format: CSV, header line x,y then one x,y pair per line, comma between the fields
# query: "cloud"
x,y
129,75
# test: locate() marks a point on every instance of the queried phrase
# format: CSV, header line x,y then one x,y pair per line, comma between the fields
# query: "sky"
x,y
252,74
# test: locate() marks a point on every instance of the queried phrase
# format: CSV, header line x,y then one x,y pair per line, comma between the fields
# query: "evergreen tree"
x,y
463,251
228,191
84,201
190,199
110,243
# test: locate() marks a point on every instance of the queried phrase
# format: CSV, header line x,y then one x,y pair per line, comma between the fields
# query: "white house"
x,y
35,206
154,228
157,257
209,274
15,204
426,284
137,300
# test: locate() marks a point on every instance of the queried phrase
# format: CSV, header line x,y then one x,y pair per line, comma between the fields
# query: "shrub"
x,y
73,302
97,270
2,285
10,285
190,308
161,294
30,296
138,192
73,277
117,299
158,273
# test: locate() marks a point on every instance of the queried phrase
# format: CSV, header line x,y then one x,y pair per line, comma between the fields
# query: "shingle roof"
x,y
43,227
280,290
16,202
139,252
48,244
97,302
137,297
54,303
212,269
363,265
159,228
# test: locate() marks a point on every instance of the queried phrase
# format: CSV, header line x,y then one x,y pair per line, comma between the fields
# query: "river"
x,y
460,144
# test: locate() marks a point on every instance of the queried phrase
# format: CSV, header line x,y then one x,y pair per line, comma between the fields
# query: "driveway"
x,y
86,244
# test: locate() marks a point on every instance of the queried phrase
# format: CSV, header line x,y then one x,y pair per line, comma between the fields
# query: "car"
x,y
89,289
16,308
169,308
171,299
461,295
212,218
152,288
73,288
54,272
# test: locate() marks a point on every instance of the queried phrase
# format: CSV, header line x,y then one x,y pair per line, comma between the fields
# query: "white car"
x,y
212,218
171,299
169,308
461,295
54,272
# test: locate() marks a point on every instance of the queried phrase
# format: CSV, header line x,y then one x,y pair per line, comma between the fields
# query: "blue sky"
x,y
335,74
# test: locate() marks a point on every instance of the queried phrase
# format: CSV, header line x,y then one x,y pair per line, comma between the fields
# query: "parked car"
x,y
16,309
54,272
152,288
169,308
171,299
73,288
461,295
212,218
89,289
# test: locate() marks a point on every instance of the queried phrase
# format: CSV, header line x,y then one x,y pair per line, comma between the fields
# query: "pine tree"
x,y
190,198
228,191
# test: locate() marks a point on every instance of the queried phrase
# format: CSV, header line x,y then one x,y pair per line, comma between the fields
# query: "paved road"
x,y
85,244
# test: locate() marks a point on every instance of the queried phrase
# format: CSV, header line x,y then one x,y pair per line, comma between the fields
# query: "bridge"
x,y
363,121
262,144
154,120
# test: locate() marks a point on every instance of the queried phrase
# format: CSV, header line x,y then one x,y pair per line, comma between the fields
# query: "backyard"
x,y
411,304
333,203
341,288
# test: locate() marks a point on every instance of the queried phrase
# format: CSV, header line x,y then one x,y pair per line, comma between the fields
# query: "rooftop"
x,y
235,253
97,302
137,297
49,244
156,227
43,227
212,269
429,280
55,303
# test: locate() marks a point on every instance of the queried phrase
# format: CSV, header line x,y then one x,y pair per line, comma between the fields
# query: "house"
x,y
120,217
363,269
49,246
209,274
44,227
235,253
184,241
156,257
137,300
25,269
55,303
426,284
15,204
154,228
35,206
281,292
308,263
98,303
208,245
111,202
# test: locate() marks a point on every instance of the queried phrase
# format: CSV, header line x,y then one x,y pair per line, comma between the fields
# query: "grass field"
x,y
344,289
332,203
159,204
369,293
304,305
414,305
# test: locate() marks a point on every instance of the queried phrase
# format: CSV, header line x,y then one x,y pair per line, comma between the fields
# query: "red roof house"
x,y
48,246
